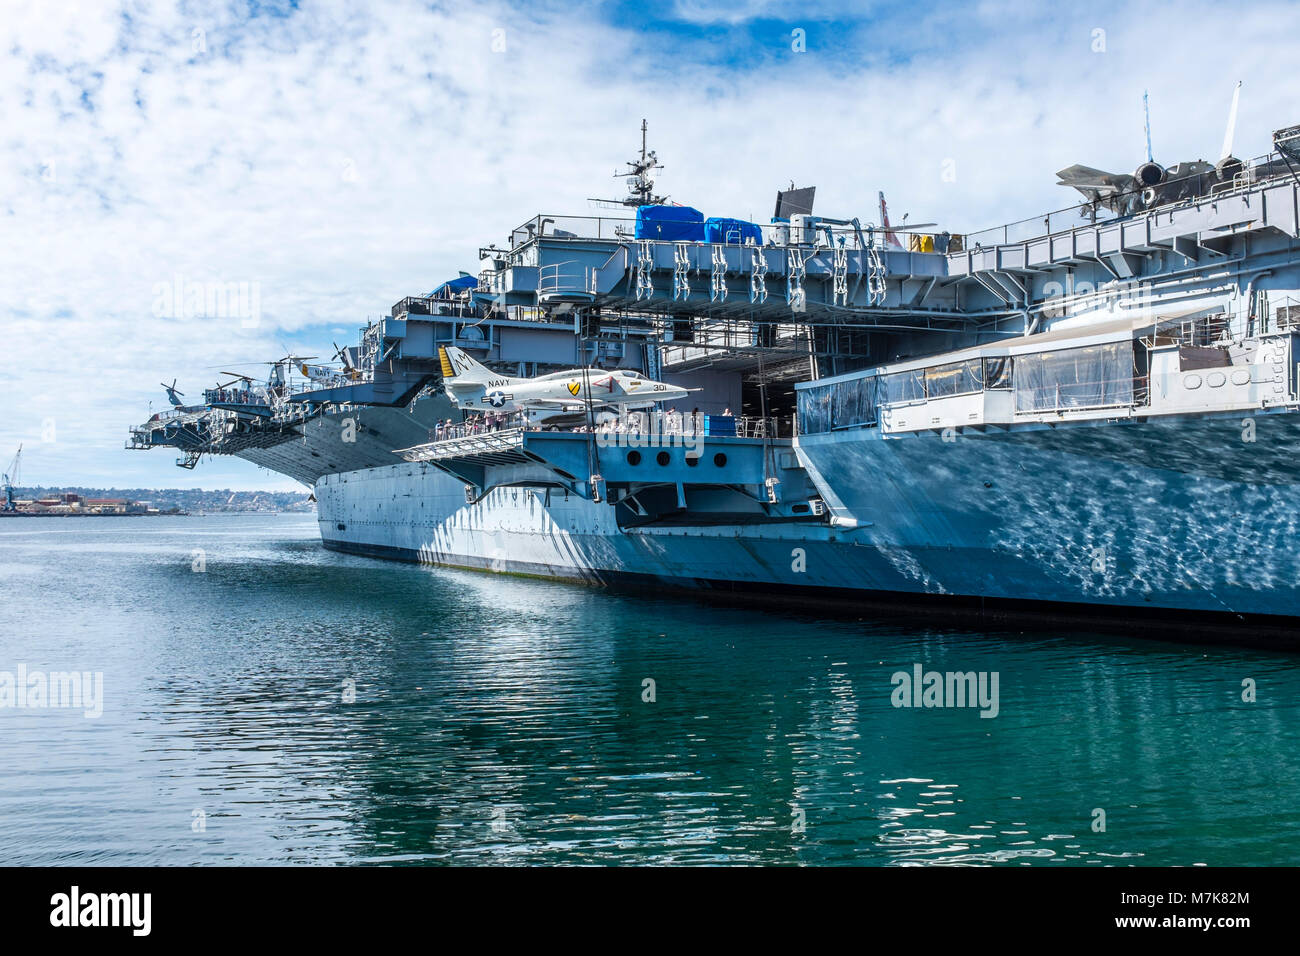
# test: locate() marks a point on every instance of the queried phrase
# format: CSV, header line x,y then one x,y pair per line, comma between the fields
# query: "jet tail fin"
x,y
459,369
1232,123
890,238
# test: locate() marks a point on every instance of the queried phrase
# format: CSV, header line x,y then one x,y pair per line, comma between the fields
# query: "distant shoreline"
x,y
140,514
94,514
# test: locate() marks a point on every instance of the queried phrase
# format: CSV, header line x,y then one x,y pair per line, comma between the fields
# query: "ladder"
x,y
645,264
681,272
758,277
718,279
795,293
876,288
840,274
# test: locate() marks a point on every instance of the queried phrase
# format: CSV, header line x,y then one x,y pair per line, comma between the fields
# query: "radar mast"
x,y
640,178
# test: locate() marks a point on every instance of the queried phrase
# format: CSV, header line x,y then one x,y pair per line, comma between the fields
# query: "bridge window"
x,y
898,387
842,405
955,378
997,372
1095,376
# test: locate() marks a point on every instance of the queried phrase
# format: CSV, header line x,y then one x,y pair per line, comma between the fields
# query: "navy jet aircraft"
x,y
1152,184
476,387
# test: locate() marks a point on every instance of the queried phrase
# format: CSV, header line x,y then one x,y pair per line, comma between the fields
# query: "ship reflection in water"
x,y
502,720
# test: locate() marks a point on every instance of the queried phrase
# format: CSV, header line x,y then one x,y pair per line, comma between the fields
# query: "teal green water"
x,y
501,720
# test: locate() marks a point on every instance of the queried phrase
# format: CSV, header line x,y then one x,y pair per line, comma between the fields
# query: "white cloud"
x,y
346,156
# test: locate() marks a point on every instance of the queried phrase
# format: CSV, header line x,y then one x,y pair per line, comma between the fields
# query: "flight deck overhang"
x,y
241,408
1192,229
394,391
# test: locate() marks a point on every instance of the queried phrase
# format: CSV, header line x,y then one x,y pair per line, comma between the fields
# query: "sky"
x,y
322,160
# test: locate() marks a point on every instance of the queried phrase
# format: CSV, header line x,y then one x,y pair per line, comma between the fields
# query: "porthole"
x,y
720,460
1241,376
663,458
1215,379
692,460
342,526
634,458
1191,381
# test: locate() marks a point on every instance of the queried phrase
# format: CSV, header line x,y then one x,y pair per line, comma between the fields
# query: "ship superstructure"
x,y
1094,407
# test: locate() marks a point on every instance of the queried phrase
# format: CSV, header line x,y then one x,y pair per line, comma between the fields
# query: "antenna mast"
x,y
640,178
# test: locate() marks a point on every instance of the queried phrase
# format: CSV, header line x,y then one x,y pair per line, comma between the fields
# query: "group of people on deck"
x,y
656,422
475,425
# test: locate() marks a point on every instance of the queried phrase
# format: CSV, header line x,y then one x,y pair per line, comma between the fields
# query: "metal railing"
x,y
1205,330
1285,316
478,425
572,227
823,235
235,396
460,305
563,279
770,427
686,425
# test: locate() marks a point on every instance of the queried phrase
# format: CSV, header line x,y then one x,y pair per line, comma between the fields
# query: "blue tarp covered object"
x,y
736,231
670,223
453,286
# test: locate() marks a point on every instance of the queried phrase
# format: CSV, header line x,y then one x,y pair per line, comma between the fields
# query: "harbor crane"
x,y
11,479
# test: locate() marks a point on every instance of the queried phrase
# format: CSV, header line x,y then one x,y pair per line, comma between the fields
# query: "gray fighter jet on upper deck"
x,y
1151,184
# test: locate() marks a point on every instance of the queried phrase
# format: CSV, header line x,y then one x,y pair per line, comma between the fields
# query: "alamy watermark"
x,y
55,690
658,432
127,910
1081,295
922,688
184,298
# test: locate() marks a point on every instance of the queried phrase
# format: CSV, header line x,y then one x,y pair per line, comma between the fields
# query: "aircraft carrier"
x,y
1095,409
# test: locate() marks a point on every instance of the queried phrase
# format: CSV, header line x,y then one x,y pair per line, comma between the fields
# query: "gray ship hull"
x,y
1177,515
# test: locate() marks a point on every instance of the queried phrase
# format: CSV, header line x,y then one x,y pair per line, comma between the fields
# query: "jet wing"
x,y
1094,180
557,403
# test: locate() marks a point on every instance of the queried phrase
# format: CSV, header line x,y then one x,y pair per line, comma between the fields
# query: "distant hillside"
x,y
185,499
